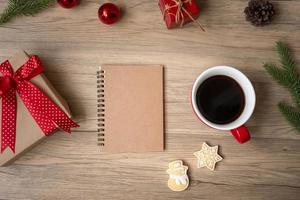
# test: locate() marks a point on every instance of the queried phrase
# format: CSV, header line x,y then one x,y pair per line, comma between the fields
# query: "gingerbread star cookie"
x,y
178,179
208,156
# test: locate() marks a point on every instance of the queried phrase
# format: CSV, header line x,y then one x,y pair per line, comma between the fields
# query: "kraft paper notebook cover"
x,y
130,108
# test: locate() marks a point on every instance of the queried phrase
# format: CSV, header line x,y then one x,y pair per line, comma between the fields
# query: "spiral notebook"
x,y
130,108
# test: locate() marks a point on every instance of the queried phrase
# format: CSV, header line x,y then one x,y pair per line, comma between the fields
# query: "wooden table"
x,y
72,44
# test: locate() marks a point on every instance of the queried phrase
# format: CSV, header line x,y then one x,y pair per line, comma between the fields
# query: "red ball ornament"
x,y
68,3
109,13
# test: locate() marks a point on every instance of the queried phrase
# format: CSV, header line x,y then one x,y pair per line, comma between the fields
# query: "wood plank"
x,y
72,44
260,168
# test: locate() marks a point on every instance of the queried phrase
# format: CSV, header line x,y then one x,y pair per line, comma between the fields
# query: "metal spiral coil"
x,y
100,107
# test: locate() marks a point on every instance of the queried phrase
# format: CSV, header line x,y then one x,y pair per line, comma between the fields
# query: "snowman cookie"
x,y
178,179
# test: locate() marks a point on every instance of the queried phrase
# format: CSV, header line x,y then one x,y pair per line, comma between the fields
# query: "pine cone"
x,y
259,12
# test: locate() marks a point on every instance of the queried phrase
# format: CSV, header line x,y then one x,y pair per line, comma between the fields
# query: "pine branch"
x,y
286,79
291,114
280,75
23,7
290,79
285,57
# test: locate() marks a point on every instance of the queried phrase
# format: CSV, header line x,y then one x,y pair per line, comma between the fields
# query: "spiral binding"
x,y
100,107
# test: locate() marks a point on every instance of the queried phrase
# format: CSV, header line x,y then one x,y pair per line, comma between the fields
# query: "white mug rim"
x,y
242,80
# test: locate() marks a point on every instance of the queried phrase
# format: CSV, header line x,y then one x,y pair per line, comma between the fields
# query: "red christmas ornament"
x,y
109,13
68,3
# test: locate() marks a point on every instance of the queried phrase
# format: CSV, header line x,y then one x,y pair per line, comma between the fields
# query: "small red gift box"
x,y
179,12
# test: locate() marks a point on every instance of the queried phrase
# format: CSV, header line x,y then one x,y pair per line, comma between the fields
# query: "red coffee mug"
x,y
237,128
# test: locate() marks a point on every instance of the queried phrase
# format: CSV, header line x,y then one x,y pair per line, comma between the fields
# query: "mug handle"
x,y
241,134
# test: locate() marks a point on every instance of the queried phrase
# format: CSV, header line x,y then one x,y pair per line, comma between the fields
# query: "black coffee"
x,y
220,99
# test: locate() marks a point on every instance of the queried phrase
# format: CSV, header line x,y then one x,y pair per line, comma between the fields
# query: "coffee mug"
x,y
237,127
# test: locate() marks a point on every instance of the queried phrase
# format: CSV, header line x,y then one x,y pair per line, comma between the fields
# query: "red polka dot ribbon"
x,y
45,112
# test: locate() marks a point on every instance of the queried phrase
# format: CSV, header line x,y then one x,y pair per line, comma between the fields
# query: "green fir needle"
x,y
23,7
287,76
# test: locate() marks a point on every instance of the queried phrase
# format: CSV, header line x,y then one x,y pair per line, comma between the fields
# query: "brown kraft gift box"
x,y
28,132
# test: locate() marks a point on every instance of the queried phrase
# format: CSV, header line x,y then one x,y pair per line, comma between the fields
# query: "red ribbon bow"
x,y
45,112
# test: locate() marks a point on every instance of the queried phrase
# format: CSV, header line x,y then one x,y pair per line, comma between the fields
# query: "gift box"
x,y
179,12
31,108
